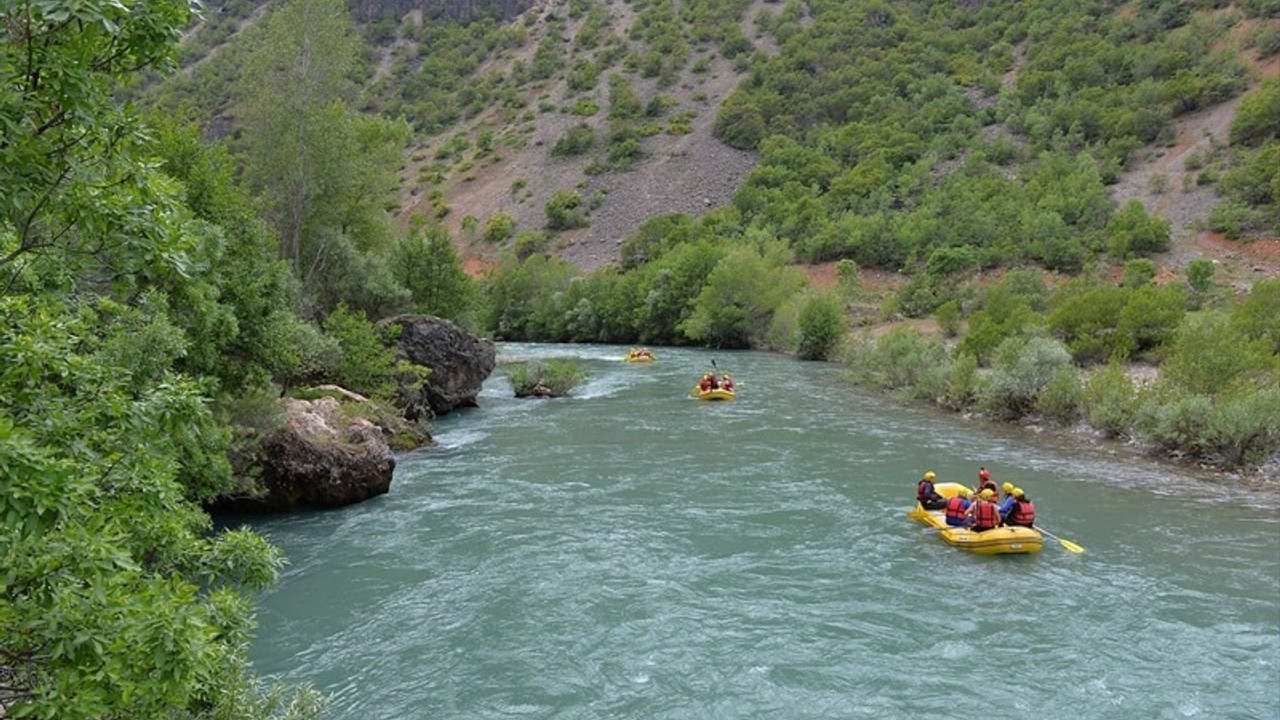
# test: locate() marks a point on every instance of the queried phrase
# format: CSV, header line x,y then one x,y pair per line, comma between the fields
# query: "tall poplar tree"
x,y
324,170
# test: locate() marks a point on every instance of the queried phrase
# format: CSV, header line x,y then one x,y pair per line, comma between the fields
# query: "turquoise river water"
x,y
632,553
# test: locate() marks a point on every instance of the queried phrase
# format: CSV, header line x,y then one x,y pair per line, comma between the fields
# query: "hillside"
x,y
493,90
693,172
689,172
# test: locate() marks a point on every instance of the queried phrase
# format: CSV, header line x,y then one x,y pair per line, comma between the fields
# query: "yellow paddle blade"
x,y
1065,543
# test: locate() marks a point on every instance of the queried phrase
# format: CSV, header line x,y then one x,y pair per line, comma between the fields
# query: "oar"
x,y
1065,543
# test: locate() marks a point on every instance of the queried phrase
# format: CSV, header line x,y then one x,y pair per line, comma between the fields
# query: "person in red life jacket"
x,y
1023,513
928,495
705,384
715,381
985,514
726,382
986,483
958,511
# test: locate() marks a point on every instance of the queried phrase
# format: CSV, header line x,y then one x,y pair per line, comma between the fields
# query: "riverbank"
x,y
1016,375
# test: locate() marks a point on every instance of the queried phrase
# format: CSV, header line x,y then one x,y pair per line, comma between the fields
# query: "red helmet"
x,y
983,474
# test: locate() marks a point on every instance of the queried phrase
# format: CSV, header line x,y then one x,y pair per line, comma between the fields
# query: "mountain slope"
x,y
689,172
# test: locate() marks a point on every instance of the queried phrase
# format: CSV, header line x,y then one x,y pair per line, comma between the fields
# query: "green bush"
x,y
1209,354
1021,371
1086,322
1063,397
1111,401
1133,232
576,141
1149,320
898,360
948,317
1139,272
499,227
1257,117
821,326
962,383
367,364
1200,276
544,378
1175,422
565,211
1257,316
1243,429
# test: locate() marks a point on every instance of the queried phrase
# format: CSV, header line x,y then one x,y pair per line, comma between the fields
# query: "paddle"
x,y
1065,543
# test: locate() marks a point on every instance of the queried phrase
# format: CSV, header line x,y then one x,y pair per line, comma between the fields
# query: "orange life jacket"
x,y
985,516
956,509
1023,513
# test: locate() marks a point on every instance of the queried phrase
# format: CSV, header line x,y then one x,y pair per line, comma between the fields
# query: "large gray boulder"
x,y
321,458
459,363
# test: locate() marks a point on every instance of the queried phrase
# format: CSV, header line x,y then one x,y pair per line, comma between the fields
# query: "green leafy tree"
x,y
366,363
672,286
118,597
1209,356
820,326
429,267
739,298
1200,274
324,168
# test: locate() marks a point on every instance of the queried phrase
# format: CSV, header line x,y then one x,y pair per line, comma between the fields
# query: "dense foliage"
x,y
159,289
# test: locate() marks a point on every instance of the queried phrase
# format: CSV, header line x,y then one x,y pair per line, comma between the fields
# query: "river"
x,y
632,553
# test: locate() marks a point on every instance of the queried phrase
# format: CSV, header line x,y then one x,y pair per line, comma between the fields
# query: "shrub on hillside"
x,y
1063,397
1111,401
820,326
898,360
1208,355
565,211
1257,316
1021,371
1086,322
1133,232
1149,320
1257,116
576,141
499,227
948,317
961,383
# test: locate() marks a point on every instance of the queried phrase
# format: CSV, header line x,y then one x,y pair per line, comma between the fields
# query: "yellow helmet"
x,y
929,475
1007,487
987,494
1017,492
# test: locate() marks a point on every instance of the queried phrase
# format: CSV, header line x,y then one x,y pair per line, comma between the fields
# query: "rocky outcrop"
x,y
459,363
321,458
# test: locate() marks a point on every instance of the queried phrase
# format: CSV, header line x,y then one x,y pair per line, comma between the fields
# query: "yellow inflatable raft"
x,y
716,394
1000,541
